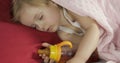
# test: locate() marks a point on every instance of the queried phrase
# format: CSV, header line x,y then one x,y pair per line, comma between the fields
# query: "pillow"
x,y
5,10
19,44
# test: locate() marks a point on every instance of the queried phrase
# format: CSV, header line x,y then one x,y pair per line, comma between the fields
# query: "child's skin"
x,y
49,18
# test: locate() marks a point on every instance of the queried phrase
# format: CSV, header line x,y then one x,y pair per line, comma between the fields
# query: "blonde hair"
x,y
18,4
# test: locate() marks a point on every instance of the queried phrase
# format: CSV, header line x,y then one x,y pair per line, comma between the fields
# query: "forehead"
x,y
27,14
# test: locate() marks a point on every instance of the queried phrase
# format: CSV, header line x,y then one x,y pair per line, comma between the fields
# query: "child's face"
x,y
42,18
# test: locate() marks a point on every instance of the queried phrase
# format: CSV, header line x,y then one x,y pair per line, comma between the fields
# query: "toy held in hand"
x,y
55,52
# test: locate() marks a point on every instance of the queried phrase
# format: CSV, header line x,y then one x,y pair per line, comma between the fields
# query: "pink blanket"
x,y
106,13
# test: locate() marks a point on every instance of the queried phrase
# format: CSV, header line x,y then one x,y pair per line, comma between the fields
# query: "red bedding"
x,y
18,43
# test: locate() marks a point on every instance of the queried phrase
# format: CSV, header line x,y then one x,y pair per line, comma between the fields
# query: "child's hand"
x,y
46,58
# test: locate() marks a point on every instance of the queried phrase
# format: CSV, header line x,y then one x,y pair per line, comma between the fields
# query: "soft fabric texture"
x,y
5,10
106,13
18,43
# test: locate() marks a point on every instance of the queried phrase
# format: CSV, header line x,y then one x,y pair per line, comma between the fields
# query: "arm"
x,y
89,41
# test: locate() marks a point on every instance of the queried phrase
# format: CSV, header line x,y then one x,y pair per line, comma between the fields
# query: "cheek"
x,y
54,18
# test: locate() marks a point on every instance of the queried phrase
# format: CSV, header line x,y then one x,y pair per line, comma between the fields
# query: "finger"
x,y
46,60
43,56
46,44
40,55
52,61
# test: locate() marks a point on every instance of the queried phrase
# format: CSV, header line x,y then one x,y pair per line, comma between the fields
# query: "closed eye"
x,y
41,17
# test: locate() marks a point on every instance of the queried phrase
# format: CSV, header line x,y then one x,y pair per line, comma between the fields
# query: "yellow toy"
x,y
54,51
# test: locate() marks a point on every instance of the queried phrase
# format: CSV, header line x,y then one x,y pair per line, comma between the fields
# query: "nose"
x,y
41,28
